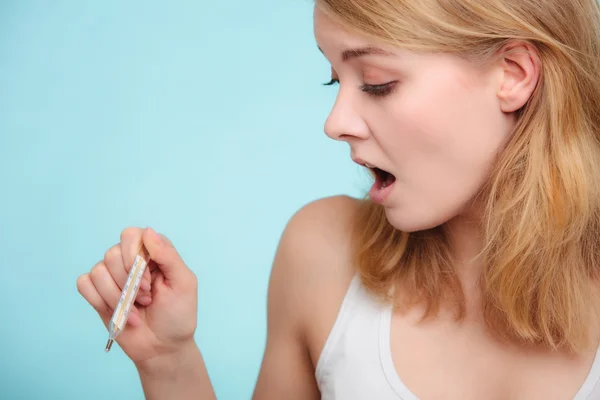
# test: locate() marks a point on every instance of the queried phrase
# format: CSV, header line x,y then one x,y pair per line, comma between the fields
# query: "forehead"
x,y
333,40
339,44
329,34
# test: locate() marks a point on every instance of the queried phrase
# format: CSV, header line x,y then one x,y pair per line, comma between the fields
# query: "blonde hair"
x,y
541,221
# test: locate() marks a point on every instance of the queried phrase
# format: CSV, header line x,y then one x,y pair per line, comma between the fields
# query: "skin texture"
x,y
437,131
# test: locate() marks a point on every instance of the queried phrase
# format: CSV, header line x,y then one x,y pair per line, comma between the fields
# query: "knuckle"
x,y
166,240
131,232
82,282
98,271
101,307
193,279
112,254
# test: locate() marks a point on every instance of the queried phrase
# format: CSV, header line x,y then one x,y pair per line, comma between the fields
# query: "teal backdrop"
x,y
203,119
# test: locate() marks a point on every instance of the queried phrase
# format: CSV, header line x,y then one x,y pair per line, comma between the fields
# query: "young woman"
x,y
471,271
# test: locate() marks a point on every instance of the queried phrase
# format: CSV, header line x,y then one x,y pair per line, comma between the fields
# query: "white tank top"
x,y
356,361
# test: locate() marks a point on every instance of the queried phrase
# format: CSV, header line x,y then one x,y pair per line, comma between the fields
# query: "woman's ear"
x,y
521,68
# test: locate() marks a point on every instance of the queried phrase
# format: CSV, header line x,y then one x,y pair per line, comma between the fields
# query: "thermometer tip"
x,y
109,345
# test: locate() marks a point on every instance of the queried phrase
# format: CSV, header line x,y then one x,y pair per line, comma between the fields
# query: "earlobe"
x,y
521,66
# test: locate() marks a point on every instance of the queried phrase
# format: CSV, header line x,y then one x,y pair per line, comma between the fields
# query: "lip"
x,y
378,194
363,163
369,166
359,161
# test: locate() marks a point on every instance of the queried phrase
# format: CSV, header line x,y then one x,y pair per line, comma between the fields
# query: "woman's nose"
x,y
345,121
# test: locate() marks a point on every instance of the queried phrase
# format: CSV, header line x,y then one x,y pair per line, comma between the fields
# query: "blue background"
x,y
202,119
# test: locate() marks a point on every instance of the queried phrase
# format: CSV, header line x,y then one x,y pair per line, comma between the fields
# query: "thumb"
x,y
165,256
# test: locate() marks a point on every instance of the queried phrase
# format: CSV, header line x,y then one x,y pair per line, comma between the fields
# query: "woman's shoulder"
x,y
318,237
320,232
332,215
314,260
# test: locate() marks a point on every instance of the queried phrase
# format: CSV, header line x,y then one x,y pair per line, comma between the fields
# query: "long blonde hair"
x,y
541,221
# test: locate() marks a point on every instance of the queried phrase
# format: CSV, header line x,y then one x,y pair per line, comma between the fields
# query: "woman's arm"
x,y
287,371
305,270
179,376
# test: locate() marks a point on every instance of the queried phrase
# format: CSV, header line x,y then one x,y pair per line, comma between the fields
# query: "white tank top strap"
x,y
590,390
387,363
350,366
338,327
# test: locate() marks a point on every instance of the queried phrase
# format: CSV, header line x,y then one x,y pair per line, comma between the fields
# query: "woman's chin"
x,y
410,220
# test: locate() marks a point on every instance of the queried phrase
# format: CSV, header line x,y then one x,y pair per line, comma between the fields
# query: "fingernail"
x,y
145,286
145,300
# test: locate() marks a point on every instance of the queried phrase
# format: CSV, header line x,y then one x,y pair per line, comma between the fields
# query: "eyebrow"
x,y
362,51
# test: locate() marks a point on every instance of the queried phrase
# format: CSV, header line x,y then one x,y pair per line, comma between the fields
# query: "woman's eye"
x,y
379,90
333,81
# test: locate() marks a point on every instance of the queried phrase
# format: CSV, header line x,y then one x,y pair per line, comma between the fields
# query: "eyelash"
x,y
372,90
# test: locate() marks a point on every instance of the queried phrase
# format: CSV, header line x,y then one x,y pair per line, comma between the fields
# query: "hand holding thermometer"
x,y
130,290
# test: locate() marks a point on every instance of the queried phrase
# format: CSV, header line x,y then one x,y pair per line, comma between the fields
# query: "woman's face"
x,y
432,121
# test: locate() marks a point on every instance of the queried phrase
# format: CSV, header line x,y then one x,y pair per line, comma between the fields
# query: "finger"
x,y
144,301
131,238
154,274
99,284
86,288
166,240
166,257
134,319
105,285
147,278
130,243
114,263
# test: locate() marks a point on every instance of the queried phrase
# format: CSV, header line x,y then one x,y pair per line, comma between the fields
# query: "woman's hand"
x,y
163,320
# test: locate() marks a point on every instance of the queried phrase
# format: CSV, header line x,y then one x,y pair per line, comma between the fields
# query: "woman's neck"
x,y
466,244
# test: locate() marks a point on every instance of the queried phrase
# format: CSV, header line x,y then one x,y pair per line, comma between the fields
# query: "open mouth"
x,y
384,182
383,178
383,185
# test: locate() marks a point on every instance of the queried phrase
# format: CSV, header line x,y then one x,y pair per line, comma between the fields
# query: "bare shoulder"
x,y
318,237
322,225
311,272
313,264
